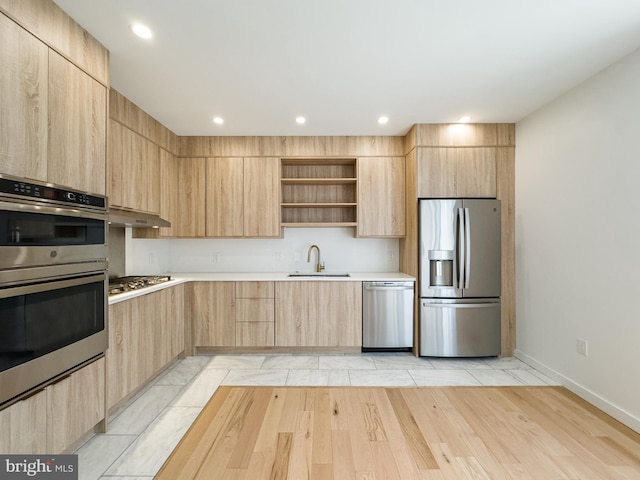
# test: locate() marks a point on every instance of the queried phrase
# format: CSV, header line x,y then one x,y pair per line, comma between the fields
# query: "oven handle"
x,y
49,210
45,286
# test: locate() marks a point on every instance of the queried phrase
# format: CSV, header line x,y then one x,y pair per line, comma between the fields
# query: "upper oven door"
x,y
37,235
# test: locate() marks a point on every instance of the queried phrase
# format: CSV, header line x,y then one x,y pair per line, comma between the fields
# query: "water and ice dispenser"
x,y
440,268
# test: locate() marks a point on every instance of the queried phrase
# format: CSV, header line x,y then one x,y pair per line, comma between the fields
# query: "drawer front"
x,y
254,289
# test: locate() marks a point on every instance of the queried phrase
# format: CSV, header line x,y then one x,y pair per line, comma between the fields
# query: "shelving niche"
x,y
319,192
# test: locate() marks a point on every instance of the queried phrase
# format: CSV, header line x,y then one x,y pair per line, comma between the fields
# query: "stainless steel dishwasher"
x,y
387,315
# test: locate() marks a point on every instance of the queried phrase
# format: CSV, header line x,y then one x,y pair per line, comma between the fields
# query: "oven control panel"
x,y
44,191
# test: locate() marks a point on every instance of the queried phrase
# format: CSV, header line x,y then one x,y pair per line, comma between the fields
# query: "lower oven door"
x,y
49,327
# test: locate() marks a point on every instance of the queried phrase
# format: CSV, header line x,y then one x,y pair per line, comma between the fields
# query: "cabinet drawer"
x,y
255,334
255,310
254,289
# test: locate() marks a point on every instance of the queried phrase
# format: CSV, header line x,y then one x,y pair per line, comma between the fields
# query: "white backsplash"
x,y
340,251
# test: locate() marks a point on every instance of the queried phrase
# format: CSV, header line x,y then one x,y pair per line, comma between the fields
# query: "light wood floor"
x,y
403,433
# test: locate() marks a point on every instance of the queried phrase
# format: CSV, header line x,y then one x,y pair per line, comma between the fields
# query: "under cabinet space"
x,y
319,192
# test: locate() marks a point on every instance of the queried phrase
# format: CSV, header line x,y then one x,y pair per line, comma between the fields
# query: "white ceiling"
x,y
343,63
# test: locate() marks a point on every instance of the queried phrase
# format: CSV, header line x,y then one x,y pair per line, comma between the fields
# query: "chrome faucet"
x,y
319,266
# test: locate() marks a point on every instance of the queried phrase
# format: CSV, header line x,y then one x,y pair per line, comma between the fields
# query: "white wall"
x,y
340,251
578,239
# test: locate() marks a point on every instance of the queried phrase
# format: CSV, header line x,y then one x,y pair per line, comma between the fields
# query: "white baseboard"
x,y
603,404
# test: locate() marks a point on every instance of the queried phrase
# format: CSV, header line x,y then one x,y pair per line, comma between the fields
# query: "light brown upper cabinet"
x,y
381,197
23,96
77,127
262,197
134,170
53,115
183,193
319,192
224,197
242,197
457,172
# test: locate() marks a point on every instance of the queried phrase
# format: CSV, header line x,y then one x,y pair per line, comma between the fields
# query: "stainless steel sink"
x,y
318,274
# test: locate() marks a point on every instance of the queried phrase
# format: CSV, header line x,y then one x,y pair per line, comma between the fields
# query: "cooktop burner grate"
x,y
126,284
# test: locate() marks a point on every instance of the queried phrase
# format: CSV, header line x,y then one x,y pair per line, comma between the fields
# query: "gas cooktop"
x,y
126,284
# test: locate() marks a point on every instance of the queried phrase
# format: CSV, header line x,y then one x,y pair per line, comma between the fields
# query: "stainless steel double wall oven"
x,y
53,283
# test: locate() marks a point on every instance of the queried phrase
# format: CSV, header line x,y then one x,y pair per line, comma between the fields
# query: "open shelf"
x,y
319,192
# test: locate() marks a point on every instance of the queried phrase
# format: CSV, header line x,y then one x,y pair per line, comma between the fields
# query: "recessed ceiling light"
x,y
300,120
141,30
218,120
465,119
383,120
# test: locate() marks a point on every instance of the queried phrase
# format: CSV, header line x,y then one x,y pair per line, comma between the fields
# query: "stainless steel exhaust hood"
x,y
127,218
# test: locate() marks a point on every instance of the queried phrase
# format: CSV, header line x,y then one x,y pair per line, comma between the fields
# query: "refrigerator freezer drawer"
x,y
455,329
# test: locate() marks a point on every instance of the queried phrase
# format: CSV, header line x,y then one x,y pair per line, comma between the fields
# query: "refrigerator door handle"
x,y
461,244
467,231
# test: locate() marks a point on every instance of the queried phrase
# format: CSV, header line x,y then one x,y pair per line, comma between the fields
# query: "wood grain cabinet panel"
x,y
381,197
225,197
145,334
213,313
23,96
183,196
318,314
261,197
75,405
457,172
77,127
255,325
242,197
134,170
24,429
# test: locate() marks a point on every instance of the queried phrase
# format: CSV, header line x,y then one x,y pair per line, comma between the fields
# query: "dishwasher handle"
x,y
387,286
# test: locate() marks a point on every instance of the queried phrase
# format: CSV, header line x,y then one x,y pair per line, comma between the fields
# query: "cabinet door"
x,y
134,170
212,311
457,172
437,173
75,405
174,306
122,354
24,430
262,197
183,195
318,314
381,197
23,96
77,127
224,197
476,172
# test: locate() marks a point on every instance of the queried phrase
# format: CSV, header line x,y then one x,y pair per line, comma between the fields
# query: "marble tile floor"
x,y
143,433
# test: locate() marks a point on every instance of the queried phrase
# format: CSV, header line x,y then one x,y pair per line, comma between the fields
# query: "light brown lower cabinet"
x,y
255,314
75,405
318,314
54,419
321,314
23,429
145,334
212,309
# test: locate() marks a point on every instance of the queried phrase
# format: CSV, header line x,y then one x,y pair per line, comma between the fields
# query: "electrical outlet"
x,y
582,346
216,257
152,258
278,257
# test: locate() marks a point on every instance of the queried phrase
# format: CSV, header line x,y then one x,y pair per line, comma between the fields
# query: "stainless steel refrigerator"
x,y
460,278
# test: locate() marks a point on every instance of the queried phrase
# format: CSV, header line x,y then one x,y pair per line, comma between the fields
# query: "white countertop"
x,y
183,277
